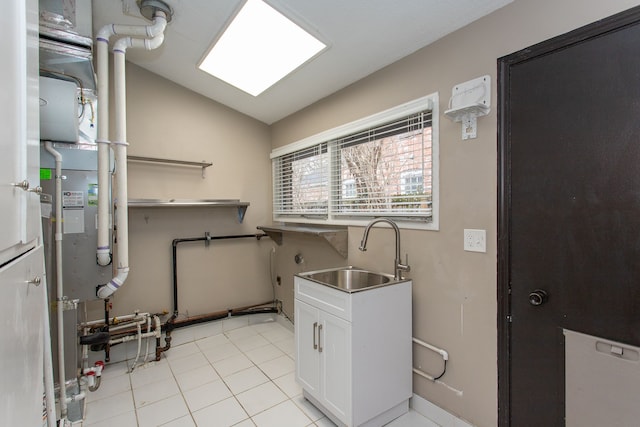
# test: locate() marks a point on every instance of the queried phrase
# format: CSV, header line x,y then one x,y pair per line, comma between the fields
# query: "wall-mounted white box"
x,y
475,240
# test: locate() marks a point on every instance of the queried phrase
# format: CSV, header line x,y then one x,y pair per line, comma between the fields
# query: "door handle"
x,y
319,336
315,344
538,297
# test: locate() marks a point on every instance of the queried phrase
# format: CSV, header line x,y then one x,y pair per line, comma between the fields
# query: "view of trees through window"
x,y
383,171
387,174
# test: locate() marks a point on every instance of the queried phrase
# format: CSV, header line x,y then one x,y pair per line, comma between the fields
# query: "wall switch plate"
x,y
469,127
475,240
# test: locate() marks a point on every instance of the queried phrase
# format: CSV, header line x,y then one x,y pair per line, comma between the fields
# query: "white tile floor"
x,y
241,377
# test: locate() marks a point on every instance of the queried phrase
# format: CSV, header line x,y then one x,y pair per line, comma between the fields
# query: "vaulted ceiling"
x,y
363,36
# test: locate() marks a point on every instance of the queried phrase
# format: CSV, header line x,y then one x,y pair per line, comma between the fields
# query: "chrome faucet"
x,y
398,267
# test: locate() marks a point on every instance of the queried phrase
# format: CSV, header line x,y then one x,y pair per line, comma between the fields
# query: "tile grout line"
x,y
279,337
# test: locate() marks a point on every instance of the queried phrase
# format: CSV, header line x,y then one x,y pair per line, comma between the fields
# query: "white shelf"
x,y
203,165
476,110
336,237
191,203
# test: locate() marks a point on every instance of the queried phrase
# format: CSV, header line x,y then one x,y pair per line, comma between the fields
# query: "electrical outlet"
x,y
475,240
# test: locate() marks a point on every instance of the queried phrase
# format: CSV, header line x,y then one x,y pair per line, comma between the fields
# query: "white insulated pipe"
x,y
119,145
118,319
144,31
59,282
49,387
156,333
103,251
128,338
129,42
126,325
440,351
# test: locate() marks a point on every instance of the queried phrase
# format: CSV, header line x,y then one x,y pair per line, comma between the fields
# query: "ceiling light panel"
x,y
259,48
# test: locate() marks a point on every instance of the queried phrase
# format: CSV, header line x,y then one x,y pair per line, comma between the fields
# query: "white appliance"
x,y
58,110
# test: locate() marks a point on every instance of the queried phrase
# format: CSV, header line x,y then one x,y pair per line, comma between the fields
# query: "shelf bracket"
x,y
336,238
241,211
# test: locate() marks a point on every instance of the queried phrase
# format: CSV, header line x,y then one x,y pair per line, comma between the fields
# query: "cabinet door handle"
x,y
319,336
315,344
22,184
35,281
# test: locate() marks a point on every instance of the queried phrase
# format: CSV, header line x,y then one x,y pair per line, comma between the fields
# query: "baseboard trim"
x,y
435,413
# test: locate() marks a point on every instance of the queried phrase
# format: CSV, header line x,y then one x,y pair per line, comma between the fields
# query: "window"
x,y
301,182
381,166
349,189
412,182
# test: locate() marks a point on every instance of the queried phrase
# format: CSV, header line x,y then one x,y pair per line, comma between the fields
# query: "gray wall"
x,y
168,121
454,291
454,297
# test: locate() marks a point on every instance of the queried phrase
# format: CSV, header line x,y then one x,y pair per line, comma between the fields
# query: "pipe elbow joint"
x,y
158,26
105,33
105,291
103,257
154,43
121,45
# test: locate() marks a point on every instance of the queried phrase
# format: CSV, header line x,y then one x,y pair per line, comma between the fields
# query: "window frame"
x,y
429,102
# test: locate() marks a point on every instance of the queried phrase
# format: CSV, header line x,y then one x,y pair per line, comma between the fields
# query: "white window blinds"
x,y
301,182
390,167
382,165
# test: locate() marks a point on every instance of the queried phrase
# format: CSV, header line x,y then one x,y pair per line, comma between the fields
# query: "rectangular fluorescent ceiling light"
x,y
259,48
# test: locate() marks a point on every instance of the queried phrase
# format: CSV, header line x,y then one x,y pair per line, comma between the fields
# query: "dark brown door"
x,y
569,208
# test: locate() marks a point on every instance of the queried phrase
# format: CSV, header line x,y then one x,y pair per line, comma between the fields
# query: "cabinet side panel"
x,y
382,368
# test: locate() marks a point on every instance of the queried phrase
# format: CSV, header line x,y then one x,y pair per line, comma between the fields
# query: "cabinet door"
x,y
19,128
307,356
335,360
22,341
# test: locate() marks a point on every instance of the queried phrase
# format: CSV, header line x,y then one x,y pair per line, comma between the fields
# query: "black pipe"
x,y
167,337
206,238
171,323
222,315
107,348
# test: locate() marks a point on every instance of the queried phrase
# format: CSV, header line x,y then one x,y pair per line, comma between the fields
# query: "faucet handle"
x,y
405,266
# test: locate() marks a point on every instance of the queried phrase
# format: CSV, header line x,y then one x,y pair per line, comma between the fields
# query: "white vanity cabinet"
x,y
353,351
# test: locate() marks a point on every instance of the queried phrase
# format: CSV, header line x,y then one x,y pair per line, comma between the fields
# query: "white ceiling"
x,y
363,36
